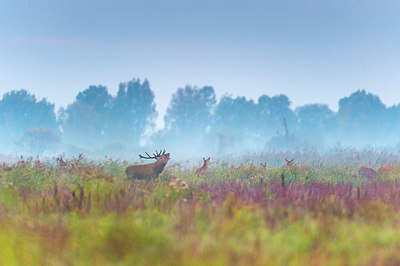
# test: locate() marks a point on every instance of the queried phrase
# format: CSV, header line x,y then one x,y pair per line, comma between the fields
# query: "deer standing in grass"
x,y
204,168
76,169
367,172
386,171
6,167
148,171
291,166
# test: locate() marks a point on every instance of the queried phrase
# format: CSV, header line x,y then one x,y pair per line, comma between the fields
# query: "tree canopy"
x,y
194,120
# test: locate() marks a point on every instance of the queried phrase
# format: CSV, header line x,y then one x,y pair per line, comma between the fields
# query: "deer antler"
x,y
158,154
155,155
148,156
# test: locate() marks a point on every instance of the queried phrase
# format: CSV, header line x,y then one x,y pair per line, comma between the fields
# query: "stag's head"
x,y
207,162
289,164
164,158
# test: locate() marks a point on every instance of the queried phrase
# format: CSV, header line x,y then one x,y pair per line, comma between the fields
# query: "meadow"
x,y
319,212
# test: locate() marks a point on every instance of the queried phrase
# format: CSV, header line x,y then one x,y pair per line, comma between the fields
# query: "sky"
x,y
312,51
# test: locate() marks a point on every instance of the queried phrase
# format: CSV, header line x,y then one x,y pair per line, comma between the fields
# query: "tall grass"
x,y
56,213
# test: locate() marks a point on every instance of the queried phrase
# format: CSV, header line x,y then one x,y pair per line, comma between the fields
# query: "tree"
x,y
85,122
38,140
272,111
393,123
315,121
98,120
235,124
133,112
362,118
20,111
189,116
314,116
96,96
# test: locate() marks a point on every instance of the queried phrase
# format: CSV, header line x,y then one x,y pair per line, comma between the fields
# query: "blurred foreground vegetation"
x,y
86,212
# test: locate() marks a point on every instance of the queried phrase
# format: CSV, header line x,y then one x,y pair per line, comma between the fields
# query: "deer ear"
x,y
208,158
286,160
292,160
204,158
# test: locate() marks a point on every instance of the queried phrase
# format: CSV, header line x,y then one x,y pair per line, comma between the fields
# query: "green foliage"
x,y
21,111
97,119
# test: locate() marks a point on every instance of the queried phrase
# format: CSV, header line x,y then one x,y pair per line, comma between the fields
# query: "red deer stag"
x,y
148,171
204,168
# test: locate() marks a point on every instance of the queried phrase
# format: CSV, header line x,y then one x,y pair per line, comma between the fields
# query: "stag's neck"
x,y
159,166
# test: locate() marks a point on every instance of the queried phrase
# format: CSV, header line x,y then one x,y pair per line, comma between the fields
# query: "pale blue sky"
x,y
313,51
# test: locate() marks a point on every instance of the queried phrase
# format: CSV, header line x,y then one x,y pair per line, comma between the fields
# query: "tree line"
x,y
100,123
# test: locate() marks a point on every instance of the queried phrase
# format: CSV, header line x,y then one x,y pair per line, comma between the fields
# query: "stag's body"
x,y
204,168
148,171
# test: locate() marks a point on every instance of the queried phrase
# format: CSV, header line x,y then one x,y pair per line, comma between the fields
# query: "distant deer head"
x,y
148,171
6,167
263,165
289,164
293,167
203,169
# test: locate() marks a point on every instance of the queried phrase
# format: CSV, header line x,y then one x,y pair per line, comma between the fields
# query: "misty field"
x,y
319,212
